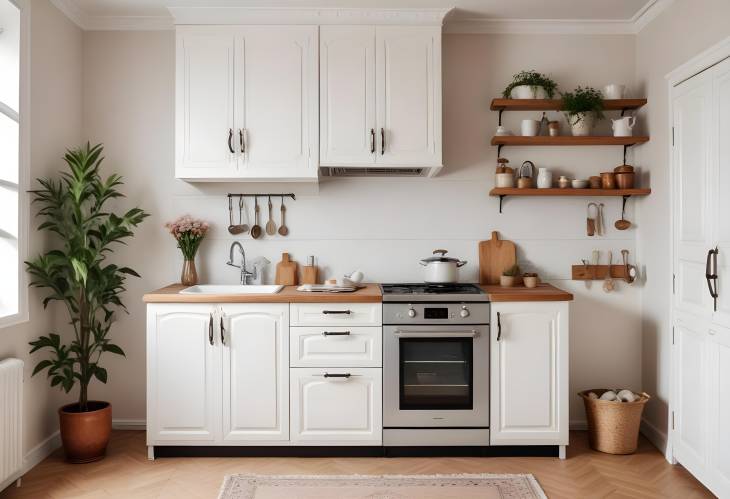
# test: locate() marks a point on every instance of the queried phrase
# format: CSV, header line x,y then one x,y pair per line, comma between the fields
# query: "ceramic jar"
x,y
544,179
614,91
581,124
504,180
530,128
554,128
563,182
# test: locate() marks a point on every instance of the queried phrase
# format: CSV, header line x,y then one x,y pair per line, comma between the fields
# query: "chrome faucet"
x,y
245,274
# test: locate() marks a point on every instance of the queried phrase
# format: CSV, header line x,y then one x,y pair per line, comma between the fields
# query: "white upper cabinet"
x,y
529,373
347,95
255,345
247,103
380,96
204,102
409,95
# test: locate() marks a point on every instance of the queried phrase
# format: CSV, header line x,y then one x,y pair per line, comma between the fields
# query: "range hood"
x,y
375,171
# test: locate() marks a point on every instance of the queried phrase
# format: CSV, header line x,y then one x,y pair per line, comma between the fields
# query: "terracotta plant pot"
x,y
85,435
506,281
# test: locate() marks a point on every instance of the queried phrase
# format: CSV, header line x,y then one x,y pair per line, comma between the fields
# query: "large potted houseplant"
x,y
530,85
79,274
582,107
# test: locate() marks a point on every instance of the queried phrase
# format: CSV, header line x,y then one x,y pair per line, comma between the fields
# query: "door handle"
x,y
336,375
240,140
210,329
230,139
331,312
223,332
382,141
499,327
436,334
711,274
372,140
335,333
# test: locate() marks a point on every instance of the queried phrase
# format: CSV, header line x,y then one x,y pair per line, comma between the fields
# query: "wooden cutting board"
x,y
286,271
495,256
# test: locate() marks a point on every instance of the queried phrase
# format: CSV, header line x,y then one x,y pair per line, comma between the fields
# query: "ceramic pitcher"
x,y
623,127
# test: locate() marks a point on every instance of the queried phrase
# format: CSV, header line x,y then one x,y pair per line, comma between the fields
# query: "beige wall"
x,y
382,226
678,34
55,117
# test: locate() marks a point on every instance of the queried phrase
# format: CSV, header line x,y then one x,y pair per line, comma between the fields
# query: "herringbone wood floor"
x,y
126,472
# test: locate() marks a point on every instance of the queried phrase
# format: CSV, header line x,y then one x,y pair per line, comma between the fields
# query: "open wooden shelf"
x,y
568,192
567,140
557,104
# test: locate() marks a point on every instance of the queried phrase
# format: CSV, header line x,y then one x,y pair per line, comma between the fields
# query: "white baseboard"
x,y
578,424
129,424
657,437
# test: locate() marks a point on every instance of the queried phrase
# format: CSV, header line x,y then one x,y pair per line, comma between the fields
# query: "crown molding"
x,y
318,16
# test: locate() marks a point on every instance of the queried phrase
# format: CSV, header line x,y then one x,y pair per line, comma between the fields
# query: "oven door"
x,y
435,376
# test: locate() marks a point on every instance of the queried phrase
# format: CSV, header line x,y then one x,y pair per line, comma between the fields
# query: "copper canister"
x,y
608,180
625,180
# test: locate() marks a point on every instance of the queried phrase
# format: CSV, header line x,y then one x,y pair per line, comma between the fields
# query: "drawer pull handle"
x,y
345,375
330,312
210,329
335,333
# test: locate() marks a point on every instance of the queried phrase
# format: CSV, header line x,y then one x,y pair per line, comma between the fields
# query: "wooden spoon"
x,y
270,225
283,230
256,229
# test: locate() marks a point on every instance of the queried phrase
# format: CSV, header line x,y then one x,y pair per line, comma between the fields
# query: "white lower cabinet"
x,y
529,373
336,406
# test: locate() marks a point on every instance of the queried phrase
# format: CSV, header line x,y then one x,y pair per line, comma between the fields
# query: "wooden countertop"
x,y
171,294
543,292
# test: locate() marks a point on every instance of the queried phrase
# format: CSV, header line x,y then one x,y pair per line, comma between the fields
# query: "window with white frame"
x,y
10,190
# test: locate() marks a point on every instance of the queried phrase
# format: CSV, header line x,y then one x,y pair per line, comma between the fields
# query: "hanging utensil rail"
x,y
265,194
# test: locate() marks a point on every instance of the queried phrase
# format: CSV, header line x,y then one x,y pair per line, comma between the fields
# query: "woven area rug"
x,y
381,487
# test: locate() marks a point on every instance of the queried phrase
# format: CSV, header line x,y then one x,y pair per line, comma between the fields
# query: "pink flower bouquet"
x,y
189,233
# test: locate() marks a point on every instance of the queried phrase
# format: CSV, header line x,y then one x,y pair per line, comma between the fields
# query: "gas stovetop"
x,y
432,292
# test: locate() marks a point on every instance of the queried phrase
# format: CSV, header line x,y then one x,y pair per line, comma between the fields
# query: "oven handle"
x,y
425,334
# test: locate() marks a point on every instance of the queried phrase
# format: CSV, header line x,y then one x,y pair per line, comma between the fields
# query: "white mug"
x,y
614,91
530,127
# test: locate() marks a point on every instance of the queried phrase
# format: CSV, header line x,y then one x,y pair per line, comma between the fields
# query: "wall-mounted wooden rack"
x,y
502,192
598,272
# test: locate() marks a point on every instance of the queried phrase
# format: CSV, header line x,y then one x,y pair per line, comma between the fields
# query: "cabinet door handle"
x,y
230,139
240,139
336,375
499,327
711,274
382,141
336,333
223,332
372,140
330,312
210,329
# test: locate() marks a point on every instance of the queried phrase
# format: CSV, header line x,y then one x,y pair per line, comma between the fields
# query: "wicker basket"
x,y
613,427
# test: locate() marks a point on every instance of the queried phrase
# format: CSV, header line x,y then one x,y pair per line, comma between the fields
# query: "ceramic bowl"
x,y
579,183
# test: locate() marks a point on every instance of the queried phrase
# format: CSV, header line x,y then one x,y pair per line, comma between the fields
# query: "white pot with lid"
x,y
441,269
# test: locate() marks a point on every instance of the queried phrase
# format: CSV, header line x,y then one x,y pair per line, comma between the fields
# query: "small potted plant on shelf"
x,y
509,276
530,279
530,85
78,274
582,107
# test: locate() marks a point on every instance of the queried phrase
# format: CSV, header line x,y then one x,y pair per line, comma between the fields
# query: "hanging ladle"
x,y
256,229
622,224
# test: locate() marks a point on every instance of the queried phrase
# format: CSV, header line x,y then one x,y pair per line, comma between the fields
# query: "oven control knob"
x,y
464,312
411,313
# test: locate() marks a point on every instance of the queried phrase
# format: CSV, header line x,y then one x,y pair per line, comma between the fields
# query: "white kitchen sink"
x,y
232,289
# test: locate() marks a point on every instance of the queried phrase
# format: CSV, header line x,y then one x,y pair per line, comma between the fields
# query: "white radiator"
x,y
11,431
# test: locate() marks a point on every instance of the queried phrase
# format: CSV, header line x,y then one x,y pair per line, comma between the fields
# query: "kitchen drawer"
x,y
336,346
336,314
336,410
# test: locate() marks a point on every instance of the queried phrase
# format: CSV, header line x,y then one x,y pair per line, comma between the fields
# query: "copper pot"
x,y
623,169
595,182
608,180
625,180
85,435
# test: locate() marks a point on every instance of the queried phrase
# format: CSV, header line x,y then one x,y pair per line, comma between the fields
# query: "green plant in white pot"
x,y
582,108
530,85
78,274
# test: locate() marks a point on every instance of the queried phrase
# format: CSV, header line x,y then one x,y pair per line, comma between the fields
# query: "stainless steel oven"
x,y
436,372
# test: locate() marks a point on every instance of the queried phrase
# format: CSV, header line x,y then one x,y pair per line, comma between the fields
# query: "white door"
x,y
720,214
204,103
347,95
277,107
719,410
183,374
408,72
691,419
529,373
692,209
255,344
336,406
